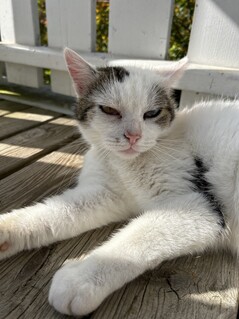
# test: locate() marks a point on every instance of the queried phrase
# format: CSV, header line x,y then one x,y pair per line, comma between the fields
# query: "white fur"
x,y
150,187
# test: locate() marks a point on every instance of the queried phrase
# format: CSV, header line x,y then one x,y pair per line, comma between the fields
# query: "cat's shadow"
x,y
186,287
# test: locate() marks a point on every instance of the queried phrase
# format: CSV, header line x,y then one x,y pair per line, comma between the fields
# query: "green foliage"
x,y
181,28
43,21
102,24
43,36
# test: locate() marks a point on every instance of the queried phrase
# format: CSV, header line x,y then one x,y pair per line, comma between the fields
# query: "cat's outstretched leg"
x,y
93,203
57,218
180,227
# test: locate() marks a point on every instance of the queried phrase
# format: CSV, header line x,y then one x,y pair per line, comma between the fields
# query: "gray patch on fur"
x,y
109,74
159,97
84,110
203,186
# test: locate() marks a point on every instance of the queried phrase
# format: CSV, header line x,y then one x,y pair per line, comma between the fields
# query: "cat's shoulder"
x,y
218,112
209,122
216,107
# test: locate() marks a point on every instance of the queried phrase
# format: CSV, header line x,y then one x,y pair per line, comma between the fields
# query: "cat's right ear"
x,y
82,73
175,72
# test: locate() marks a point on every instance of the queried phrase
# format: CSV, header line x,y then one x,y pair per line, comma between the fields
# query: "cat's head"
x,y
122,110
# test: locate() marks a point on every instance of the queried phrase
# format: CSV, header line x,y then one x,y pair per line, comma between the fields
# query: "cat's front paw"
x,y
79,287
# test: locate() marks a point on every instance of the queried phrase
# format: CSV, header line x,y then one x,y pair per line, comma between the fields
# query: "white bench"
x,y
139,32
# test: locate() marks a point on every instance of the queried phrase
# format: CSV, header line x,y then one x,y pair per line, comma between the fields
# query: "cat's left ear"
x,y
174,73
81,72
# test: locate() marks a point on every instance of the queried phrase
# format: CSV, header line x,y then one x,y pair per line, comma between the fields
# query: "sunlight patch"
x,y
18,151
227,297
9,93
29,116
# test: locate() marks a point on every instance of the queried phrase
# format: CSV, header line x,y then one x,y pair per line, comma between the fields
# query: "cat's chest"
x,y
151,181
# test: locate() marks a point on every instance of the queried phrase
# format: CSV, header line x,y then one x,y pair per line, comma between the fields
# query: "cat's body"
x,y
204,141
174,177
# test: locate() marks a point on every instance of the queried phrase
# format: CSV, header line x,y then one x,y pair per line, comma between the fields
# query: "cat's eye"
x,y
109,110
152,113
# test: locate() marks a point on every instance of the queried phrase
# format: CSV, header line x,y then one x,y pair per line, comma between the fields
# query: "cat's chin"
x,y
128,154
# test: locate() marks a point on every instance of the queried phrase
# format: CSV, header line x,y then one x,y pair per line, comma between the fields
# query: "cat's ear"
x,y
175,72
81,72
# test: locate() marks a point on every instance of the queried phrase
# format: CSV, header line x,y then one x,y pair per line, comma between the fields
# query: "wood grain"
x,y
49,174
23,148
20,121
7,107
25,278
189,287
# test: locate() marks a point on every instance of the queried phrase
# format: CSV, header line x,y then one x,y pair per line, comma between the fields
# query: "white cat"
x,y
175,177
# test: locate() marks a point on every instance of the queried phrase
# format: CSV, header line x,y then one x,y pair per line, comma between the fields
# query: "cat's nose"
x,y
132,137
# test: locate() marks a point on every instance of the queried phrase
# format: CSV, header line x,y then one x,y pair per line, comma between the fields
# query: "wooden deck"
x,y
40,154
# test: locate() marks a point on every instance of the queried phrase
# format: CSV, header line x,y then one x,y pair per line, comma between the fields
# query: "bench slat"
x,y
139,28
19,24
72,26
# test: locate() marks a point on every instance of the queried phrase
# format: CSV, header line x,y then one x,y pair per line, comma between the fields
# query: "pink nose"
x,y
132,137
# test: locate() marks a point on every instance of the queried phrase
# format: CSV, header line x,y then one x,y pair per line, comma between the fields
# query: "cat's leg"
x,y
90,205
180,227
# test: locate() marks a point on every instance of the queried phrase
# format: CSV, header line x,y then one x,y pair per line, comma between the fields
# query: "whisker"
x,y
103,153
160,150
168,139
168,148
170,142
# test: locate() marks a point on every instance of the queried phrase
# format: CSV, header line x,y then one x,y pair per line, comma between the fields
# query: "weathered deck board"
x,y
189,287
47,175
23,148
20,121
31,273
7,107
193,287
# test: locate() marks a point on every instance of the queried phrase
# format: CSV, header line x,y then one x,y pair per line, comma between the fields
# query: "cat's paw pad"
x,y
4,246
75,290
5,242
11,240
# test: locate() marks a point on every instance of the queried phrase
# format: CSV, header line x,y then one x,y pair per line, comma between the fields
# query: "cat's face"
x,y
124,111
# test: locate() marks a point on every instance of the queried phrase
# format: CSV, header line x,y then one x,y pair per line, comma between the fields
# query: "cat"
x,y
173,174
